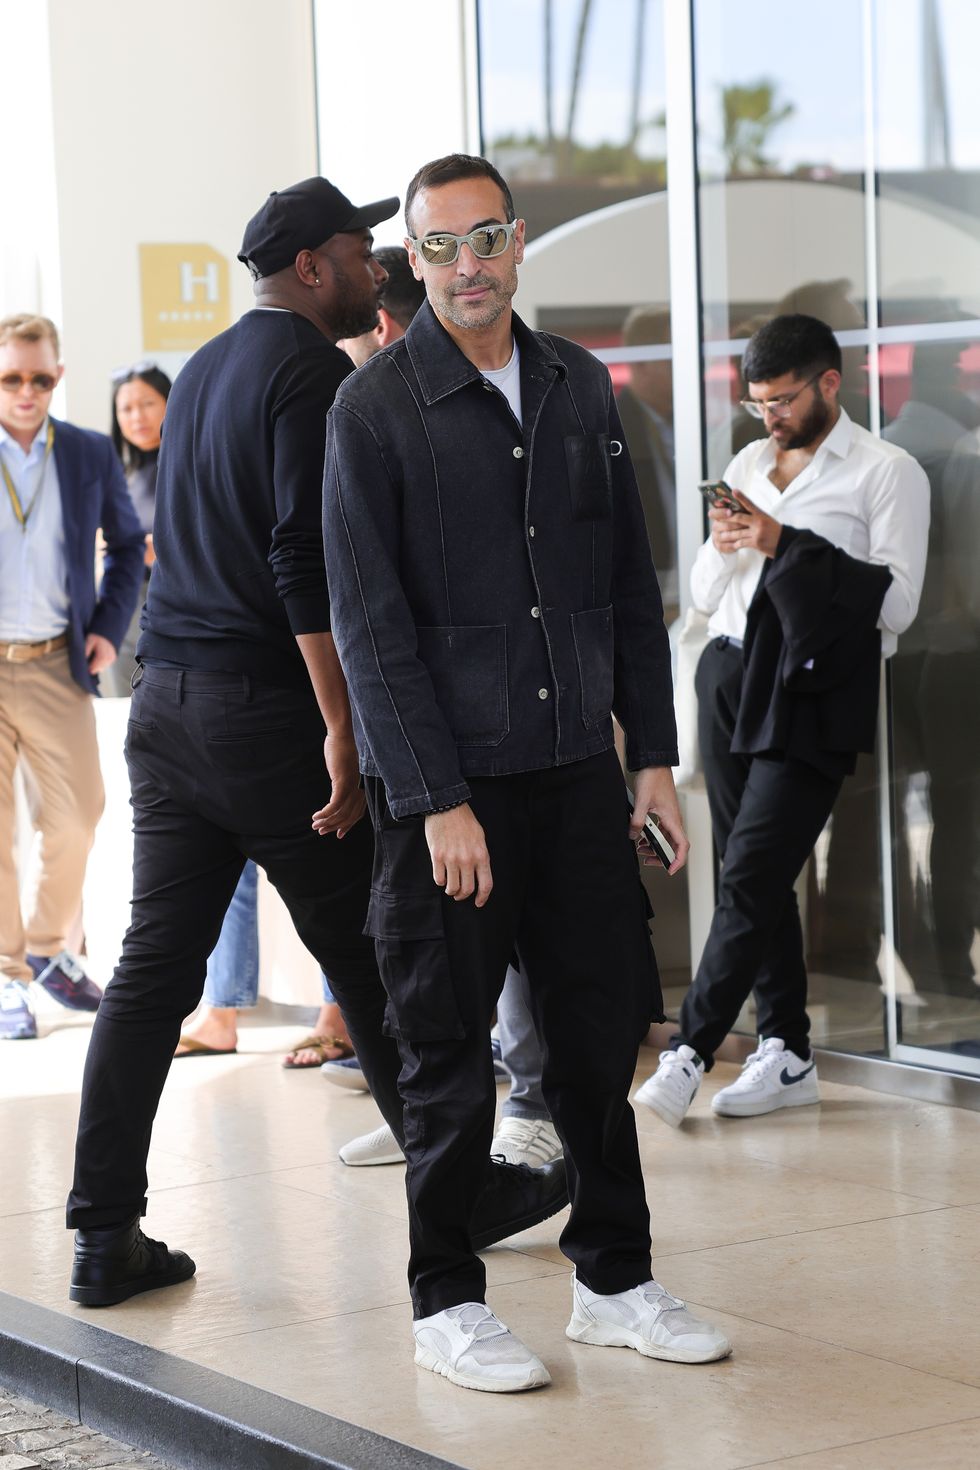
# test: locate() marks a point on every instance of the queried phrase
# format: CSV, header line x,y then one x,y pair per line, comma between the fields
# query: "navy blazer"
x,y
93,494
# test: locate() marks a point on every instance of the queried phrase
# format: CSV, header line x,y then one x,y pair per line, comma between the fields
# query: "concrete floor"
x,y
836,1246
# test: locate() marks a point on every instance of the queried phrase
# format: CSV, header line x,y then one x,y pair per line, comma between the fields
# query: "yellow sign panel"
x,y
185,296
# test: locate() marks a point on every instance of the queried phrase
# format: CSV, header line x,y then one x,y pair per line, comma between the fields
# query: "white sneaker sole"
x,y
352,1081
535,1377
663,1110
723,1108
367,1161
599,1334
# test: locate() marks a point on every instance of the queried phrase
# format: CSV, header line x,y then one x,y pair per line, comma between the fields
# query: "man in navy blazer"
x,y
57,633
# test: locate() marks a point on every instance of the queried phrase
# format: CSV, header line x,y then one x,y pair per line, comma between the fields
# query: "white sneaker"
x,y
648,1319
771,1078
532,1141
378,1147
467,1345
673,1086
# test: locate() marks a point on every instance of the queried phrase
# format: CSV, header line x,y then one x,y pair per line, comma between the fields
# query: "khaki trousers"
x,y
48,724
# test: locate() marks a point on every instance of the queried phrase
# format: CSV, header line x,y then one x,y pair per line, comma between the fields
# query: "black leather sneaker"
x,y
114,1264
514,1198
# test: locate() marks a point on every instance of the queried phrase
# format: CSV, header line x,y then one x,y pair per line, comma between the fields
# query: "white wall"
x,y
394,98
171,124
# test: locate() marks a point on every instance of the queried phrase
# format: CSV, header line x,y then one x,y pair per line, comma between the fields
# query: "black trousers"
x,y
766,816
223,768
567,896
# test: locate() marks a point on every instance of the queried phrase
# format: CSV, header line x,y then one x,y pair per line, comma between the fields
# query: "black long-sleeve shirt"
x,y
237,530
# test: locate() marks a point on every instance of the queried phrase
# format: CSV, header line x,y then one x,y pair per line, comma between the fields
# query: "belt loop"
x,y
180,686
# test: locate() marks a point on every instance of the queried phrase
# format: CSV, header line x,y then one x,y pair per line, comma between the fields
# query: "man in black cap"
x,y
237,707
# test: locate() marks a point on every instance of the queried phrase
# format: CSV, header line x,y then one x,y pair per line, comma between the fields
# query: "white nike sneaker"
x,y
532,1141
646,1318
673,1086
772,1077
467,1345
378,1147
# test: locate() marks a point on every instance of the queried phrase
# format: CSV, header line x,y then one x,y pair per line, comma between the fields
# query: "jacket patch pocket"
x,y
589,468
468,668
410,943
592,634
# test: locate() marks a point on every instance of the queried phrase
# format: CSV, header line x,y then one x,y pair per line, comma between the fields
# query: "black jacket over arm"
x,y
812,655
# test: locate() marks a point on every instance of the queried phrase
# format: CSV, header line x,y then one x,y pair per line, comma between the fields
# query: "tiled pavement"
x,y
31,1436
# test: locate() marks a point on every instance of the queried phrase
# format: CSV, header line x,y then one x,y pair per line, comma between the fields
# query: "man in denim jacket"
x,y
493,602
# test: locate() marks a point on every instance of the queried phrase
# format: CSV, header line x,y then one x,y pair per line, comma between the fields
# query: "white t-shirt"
x,y
862,494
508,380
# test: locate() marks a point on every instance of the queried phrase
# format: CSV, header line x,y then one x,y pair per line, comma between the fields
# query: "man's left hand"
x,y
754,530
346,805
653,788
99,653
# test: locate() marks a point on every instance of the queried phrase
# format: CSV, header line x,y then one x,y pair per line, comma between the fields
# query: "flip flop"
x,y
198,1049
320,1045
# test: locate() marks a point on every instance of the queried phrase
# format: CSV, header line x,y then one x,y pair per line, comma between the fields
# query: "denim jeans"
x,y
233,966
520,1051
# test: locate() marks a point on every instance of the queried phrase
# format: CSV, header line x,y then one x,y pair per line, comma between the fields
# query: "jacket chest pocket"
x,y
468,668
589,466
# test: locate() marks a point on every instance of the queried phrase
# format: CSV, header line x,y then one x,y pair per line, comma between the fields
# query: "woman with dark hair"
x,y
139,403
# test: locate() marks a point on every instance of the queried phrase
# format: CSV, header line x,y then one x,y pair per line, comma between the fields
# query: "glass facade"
x,y
837,173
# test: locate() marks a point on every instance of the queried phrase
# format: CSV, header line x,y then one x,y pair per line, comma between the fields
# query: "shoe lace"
x,y
678,1073
476,1320
658,1296
760,1063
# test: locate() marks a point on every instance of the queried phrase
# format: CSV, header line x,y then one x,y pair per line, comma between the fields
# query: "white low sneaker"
x,y
648,1319
532,1141
772,1077
378,1147
673,1086
467,1345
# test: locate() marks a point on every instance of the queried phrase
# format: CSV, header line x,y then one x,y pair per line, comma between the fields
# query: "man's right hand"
x,y
722,535
460,859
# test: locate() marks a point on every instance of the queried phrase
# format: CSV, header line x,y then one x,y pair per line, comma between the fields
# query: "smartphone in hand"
x,y
655,837
719,494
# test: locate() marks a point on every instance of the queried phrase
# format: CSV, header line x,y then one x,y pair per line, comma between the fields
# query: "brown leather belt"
x,y
22,653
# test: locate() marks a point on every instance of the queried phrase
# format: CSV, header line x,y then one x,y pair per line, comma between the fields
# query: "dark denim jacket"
x,y
492,593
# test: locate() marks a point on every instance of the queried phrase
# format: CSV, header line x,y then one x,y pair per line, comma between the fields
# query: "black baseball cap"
x,y
301,218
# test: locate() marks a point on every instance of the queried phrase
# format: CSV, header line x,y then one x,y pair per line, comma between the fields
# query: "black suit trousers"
x,y
766,815
223,768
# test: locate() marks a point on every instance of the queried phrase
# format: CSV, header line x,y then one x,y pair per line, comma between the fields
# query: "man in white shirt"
x,y
807,585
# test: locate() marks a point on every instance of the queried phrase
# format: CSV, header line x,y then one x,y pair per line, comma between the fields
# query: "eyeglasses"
x,y
780,408
133,370
40,382
439,248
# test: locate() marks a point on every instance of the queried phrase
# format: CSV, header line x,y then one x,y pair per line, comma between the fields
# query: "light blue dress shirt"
x,y
33,570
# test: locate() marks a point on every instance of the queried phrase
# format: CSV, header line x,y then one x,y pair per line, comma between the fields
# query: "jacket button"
x,y
542,694
530,530
535,612
518,452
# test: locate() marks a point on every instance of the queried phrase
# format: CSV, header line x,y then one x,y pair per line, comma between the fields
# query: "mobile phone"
x,y
719,494
655,836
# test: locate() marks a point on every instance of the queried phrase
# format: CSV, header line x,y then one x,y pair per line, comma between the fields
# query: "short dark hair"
x,y
793,343
446,171
154,377
401,294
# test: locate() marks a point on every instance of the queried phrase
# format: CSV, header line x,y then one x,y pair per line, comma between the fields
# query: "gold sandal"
x,y
320,1045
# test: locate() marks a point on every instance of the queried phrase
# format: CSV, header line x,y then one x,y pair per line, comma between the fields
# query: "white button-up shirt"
x,y
868,497
33,570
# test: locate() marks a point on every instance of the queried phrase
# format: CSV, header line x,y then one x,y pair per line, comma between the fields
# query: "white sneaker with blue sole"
x,y
772,1077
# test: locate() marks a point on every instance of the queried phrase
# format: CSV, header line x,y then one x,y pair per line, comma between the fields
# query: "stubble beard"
x,y
483,313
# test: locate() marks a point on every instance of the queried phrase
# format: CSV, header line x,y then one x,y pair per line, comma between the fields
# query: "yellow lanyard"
x,y
23,516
